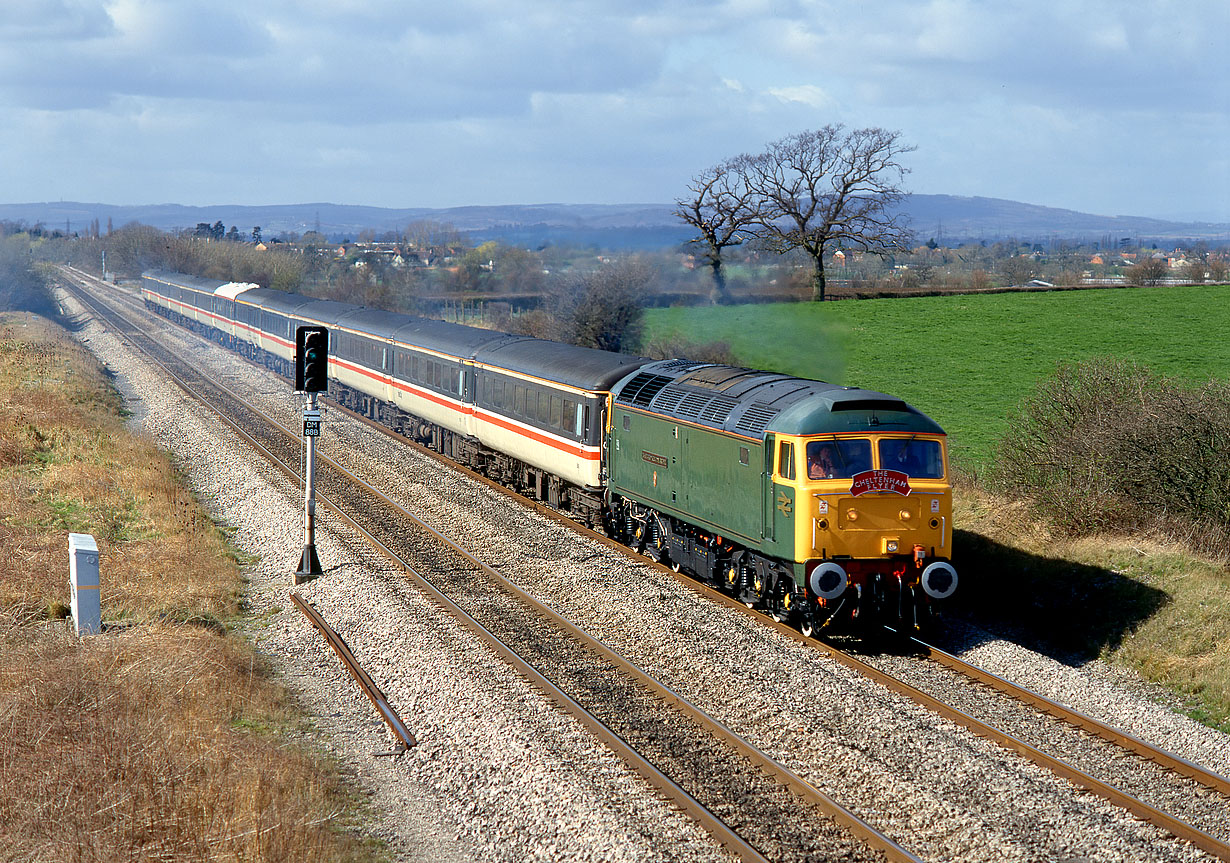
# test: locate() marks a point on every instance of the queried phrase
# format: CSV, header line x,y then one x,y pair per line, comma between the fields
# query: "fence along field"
x,y
968,361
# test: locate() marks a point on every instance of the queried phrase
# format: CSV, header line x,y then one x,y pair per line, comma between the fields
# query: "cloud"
x,y
390,102
38,20
806,94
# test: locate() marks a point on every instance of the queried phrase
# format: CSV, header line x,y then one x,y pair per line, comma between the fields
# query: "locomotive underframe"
x,y
880,591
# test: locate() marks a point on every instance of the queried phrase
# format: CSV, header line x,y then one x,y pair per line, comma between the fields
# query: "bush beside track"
x,y
1129,472
165,737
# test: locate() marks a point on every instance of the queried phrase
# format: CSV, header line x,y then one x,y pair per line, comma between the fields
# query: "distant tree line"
x,y
218,231
591,296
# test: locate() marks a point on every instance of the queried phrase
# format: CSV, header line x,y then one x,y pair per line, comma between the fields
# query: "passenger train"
x,y
825,505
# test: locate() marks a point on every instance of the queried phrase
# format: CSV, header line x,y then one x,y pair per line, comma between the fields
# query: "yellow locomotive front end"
x,y
876,531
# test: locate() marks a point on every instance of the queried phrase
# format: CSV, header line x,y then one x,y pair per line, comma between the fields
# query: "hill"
x,y
949,218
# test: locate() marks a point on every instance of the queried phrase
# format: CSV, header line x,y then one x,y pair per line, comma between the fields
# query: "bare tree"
x,y
1017,270
1217,269
1150,271
720,209
598,309
815,191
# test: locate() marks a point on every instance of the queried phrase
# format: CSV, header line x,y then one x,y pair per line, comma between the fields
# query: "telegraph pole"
x,y
311,377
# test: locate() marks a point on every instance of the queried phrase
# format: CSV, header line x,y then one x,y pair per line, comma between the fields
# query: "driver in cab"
x,y
821,462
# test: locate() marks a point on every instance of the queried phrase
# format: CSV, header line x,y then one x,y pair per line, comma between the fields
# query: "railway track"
x,y
753,805
1181,766
1214,845
1180,826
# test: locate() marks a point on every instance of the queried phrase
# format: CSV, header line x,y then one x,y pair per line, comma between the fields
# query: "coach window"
x,y
785,460
544,407
557,411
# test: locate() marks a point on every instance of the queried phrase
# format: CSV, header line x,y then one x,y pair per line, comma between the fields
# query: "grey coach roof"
x,y
585,368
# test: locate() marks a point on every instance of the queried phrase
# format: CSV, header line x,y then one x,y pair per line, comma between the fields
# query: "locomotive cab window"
x,y
785,460
917,458
837,459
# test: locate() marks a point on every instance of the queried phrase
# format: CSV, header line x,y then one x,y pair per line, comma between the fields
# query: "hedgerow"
x,y
1108,445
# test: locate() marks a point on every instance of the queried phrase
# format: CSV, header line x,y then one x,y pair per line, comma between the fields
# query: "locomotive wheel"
x,y
807,627
780,609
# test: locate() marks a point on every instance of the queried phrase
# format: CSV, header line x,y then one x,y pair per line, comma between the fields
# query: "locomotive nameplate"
x,y
880,480
654,458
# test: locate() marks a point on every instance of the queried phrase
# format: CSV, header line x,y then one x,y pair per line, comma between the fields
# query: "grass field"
x,y
969,360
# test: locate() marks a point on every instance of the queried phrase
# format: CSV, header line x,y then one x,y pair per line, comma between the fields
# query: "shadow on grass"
x,y
1069,611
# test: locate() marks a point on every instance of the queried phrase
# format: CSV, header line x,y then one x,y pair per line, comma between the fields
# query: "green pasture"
x,y
969,360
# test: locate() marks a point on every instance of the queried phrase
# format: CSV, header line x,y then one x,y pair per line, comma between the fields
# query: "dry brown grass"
x,y
160,739
1148,602
132,746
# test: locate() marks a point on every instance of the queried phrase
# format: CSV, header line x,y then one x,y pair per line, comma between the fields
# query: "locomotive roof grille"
x,y
668,400
692,403
756,419
718,410
676,365
642,388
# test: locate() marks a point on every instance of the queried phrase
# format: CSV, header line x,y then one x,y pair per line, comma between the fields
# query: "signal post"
x,y
311,377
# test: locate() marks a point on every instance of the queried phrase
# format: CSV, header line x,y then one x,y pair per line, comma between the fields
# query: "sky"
x,y
1114,107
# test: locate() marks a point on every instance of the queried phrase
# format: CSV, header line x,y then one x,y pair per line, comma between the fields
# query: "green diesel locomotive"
x,y
826,505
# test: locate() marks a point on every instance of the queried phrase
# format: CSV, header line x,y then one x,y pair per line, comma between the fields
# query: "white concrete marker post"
x,y
84,581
